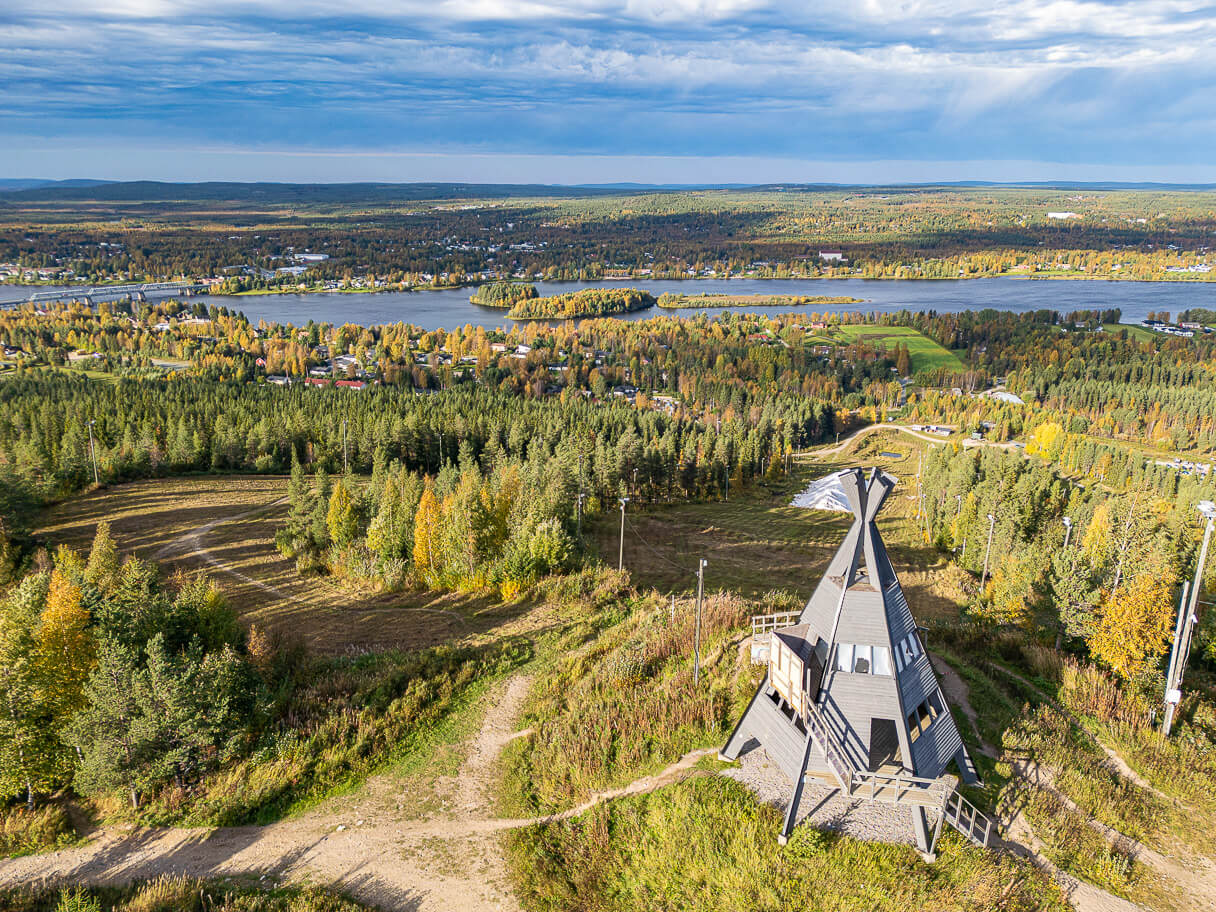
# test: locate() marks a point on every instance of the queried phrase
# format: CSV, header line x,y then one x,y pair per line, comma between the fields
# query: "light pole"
x,y
620,564
1186,623
93,456
988,550
1067,531
696,645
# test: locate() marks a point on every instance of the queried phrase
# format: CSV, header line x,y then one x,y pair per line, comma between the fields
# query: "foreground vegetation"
x,y
706,844
177,894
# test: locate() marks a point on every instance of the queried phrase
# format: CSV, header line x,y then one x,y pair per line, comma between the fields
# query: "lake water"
x,y
449,308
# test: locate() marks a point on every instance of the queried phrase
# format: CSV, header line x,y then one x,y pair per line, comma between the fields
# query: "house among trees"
x,y
850,697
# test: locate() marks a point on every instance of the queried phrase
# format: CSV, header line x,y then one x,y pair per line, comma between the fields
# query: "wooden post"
x,y
696,668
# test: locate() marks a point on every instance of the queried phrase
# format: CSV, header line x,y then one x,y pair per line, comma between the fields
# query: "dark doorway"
x,y
884,744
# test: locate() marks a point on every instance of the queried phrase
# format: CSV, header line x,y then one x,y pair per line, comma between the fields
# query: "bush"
x,y
23,832
176,894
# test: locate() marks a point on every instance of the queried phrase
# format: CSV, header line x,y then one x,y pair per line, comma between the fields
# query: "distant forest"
x,y
452,234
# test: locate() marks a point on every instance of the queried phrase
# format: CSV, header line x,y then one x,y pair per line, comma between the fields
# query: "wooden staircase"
x,y
895,788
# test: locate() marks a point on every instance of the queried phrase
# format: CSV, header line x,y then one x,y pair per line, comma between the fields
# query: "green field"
x,y
926,354
1139,333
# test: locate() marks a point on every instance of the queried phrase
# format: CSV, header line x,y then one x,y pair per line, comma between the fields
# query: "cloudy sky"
x,y
608,90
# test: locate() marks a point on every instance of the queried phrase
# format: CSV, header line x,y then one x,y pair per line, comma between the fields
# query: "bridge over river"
x,y
91,295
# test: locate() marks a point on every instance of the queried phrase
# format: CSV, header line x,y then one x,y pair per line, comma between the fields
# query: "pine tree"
x,y
104,731
104,563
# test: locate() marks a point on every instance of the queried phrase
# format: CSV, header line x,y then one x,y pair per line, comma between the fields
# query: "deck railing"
x,y
901,788
967,819
767,623
838,760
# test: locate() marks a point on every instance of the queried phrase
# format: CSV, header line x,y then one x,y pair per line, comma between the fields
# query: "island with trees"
x,y
503,294
589,302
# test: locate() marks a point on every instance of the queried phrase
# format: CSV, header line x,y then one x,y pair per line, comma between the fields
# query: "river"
x,y
449,308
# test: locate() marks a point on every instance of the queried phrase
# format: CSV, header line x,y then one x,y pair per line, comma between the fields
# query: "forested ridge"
x,y
920,232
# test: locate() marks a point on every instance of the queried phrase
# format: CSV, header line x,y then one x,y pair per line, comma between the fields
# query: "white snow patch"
x,y
825,494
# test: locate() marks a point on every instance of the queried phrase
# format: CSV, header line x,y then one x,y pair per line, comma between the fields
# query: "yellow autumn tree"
x,y
427,541
1010,591
341,519
65,645
105,565
1134,625
1047,440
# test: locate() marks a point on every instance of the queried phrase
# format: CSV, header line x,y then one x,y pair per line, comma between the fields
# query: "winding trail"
x,y
362,844
1015,833
1121,765
191,545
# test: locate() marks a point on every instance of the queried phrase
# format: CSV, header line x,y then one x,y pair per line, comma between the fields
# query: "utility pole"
x,y
1186,622
988,550
93,456
1067,531
1173,694
345,460
581,495
728,481
963,558
696,645
620,564
959,511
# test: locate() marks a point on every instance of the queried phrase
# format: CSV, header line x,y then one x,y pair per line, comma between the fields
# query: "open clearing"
x,y
756,542
926,354
226,524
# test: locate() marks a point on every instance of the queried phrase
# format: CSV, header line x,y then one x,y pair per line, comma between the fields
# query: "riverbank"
x,y
710,301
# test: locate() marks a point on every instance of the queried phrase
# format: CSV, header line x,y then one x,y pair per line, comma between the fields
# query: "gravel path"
x,y
823,806
363,844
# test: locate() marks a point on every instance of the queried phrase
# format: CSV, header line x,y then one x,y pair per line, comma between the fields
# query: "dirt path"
x,y
191,545
364,845
1120,765
1016,835
1198,883
958,694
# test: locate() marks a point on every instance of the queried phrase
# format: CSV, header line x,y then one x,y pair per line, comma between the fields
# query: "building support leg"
x,y
740,736
791,813
920,823
965,767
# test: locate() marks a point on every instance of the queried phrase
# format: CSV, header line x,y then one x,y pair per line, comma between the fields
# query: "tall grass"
x,y
623,703
707,844
24,832
353,716
175,894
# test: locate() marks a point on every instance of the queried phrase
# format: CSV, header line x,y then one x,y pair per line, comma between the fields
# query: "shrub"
x,y
23,832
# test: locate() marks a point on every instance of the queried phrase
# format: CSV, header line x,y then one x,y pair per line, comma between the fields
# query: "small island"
x,y
589,302
685,301
503,294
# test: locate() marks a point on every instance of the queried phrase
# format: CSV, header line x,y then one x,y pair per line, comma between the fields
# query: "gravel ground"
x,y
823,806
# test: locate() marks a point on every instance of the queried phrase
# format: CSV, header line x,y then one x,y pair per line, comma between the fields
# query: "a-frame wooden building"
x,y
850,696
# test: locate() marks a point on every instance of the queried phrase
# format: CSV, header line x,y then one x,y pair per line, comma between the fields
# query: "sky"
x,y
597,91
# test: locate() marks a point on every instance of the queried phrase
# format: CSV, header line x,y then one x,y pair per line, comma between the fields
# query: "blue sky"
x,y
608,90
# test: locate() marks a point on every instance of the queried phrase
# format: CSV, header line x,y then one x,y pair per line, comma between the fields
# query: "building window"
x,y
844,657
874,660
861,659
882,661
